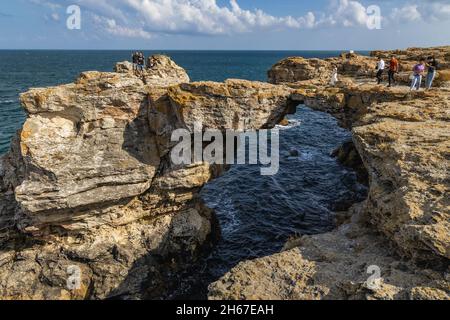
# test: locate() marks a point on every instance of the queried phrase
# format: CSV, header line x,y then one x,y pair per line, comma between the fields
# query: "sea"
x,y
257,214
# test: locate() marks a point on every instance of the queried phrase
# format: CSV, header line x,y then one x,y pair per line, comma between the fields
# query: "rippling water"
x,y
259,213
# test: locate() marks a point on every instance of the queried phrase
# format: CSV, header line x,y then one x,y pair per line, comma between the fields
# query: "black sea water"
x,y
257,213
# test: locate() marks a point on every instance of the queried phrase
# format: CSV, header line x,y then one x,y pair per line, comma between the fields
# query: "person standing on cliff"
x,y
380,69
141,62
334,77
151,63
135,61
393,69
418,70
432,65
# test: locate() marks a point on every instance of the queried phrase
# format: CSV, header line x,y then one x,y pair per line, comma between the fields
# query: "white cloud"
x,y
439,11
50,4
144,18
202,17
207,17
347,13
430,11
55,16
110,26
407,13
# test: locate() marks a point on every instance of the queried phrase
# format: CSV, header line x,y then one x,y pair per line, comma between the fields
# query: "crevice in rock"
x,y
348,155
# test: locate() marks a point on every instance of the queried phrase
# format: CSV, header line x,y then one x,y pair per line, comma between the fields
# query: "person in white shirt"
x,y
380,69
334,77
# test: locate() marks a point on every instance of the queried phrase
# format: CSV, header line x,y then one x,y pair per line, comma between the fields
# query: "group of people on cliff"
x,y
139,64
430,65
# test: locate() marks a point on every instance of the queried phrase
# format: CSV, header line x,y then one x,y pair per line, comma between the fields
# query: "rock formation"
x,y
401,231
160,71
88,188
92,207
294,69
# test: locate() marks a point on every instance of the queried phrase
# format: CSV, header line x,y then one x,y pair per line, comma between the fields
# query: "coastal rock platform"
x,y
88,189
91,207
394,245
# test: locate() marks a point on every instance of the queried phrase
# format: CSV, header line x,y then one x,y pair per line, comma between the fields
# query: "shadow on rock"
x,y
139,142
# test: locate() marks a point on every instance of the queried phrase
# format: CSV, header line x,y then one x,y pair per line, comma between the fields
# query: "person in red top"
x,y
393,69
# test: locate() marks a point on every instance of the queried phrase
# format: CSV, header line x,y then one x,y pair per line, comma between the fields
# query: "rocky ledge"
x,y
88,189
396,244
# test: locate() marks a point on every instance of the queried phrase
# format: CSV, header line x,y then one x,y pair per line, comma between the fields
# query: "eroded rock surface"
x,y
299,69
402,229
160,71
332,266
236,104
358,67
88,187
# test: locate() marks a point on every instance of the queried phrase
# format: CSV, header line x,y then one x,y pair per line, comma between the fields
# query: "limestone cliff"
x,y
402,229
88,184
358,67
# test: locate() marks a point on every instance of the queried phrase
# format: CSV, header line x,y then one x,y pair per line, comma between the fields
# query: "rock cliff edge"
x,y
396,244
88,188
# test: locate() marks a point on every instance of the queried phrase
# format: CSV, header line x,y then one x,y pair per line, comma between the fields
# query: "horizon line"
x,y
168,49
137,49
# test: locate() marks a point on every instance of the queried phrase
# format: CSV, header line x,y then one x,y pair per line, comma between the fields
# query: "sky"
x,y
224,24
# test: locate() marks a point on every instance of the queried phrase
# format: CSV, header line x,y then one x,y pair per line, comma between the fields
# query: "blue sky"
x,y
225,24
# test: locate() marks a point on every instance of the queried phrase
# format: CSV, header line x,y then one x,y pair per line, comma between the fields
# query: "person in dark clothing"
x,y
151,62
140,62
432,65
135,61
393,69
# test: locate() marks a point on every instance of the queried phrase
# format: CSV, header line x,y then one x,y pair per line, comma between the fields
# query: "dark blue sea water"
x,y
257,214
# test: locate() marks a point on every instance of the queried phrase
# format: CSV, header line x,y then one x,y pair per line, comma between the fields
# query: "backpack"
x,y
437,66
